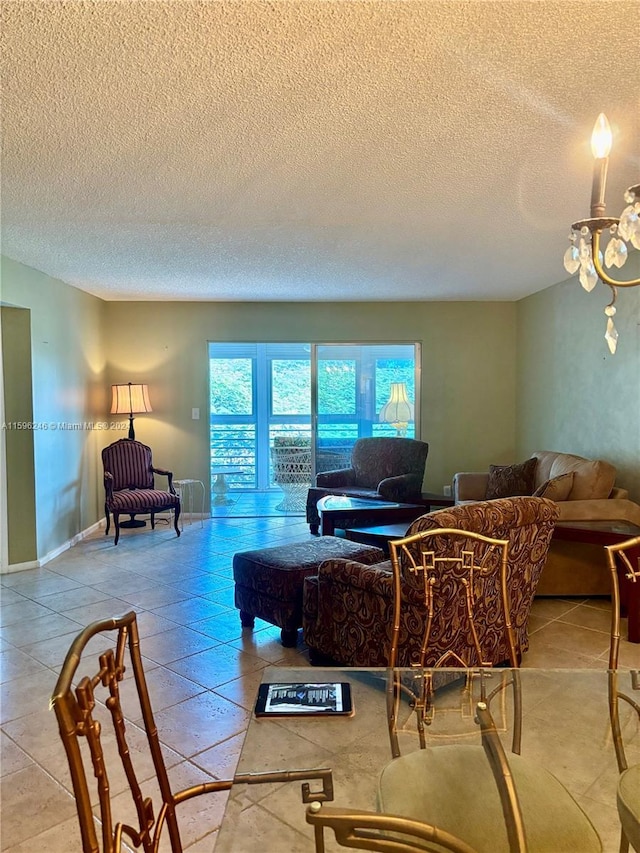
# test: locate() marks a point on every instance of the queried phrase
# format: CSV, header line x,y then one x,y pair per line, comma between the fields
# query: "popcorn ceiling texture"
x,y
309,150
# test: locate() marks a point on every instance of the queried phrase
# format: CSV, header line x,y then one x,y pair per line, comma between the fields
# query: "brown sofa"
x,y
348,607
571,568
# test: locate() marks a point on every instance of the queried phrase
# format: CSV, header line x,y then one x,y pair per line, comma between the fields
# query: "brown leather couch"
x,y
572,569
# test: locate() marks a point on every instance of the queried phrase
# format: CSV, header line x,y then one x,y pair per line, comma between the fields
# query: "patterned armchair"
x,y
130,488
348,607
387,469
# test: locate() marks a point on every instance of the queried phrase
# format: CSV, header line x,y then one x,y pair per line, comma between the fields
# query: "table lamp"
x,y
398,411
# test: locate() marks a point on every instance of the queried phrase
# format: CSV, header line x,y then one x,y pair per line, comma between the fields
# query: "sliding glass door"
x,y
296,395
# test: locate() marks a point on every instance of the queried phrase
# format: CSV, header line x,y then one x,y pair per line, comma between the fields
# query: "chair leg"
x,y
108,517
289,639
153,521
314,529
247,620
176,516
116,521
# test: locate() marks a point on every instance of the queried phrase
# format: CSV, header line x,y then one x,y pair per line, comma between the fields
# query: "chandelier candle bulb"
x,y
600,147
586,257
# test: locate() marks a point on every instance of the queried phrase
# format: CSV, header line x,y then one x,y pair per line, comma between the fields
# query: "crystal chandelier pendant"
x,y
629,222
616,253
611,335
571,260
588,276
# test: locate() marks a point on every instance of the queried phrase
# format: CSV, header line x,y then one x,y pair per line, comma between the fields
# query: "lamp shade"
x,y
129,399
398,410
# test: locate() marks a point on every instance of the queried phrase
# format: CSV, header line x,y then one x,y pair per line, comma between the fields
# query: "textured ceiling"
x,y
310,150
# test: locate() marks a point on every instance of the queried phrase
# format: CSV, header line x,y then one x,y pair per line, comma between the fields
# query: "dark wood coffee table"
x,y
608,533
380,535
336,510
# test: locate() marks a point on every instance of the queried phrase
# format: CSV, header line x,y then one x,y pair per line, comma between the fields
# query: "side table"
x,y
185,490
220,486
608,533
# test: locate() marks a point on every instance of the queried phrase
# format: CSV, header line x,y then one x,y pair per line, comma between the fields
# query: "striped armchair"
x,y
129,485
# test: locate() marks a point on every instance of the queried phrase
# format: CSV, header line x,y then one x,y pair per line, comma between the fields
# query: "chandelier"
x,y
584,253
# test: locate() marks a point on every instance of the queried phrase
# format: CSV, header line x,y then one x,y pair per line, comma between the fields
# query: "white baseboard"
x,y
51,555
19,567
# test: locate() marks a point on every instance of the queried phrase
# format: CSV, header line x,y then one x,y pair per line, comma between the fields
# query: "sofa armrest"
x,y
335,479
601,509
470,486
618,494
403,488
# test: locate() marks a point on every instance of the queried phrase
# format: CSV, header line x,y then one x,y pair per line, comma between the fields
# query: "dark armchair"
x,y
129,485
386,469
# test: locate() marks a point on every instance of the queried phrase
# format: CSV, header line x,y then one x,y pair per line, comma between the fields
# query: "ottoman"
x,y
269,581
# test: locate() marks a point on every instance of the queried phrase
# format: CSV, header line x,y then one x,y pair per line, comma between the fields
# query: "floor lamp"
x,y
130,400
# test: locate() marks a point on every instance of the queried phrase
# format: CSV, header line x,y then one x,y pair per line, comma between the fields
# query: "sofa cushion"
x,y
507,481
592,478
557,488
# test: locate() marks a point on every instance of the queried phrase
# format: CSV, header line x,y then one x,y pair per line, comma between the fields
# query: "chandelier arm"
x,y
599,268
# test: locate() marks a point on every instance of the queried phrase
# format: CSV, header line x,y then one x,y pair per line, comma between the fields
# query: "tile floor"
x,y
203,669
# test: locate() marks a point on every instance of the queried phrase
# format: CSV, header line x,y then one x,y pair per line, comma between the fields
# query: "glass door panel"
x,y
353,385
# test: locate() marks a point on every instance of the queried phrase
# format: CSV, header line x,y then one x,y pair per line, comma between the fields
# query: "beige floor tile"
x,y
596,618
64,837
221,760
242,691
176,643
16,614
25,696
31,803
200,722
216,666
573,638
12,757
15,663
552,608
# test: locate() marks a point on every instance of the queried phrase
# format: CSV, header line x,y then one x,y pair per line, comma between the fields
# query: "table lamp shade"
x,y
130,399
398,410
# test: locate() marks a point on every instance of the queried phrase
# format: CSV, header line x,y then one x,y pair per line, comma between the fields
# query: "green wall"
x,y
67,387
468,368
573,395
19,458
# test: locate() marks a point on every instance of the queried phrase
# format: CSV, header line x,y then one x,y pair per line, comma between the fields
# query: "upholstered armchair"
x,y
388,469
129,485
348,607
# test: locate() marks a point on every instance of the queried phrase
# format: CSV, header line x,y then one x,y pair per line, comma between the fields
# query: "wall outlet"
x,y
446,491
195,414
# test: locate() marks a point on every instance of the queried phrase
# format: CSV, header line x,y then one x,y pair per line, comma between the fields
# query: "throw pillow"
x,y
506,481
557,488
